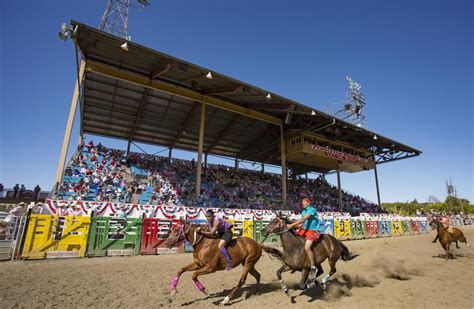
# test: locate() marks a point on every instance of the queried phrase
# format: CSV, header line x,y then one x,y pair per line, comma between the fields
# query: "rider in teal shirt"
x,y
310,231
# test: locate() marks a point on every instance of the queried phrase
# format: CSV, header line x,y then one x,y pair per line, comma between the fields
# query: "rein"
x,y
195,236
278,226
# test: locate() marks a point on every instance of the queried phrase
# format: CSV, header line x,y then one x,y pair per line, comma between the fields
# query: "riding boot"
x,y
312,273
227,257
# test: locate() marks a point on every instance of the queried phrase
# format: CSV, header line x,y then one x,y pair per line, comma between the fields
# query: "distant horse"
x,y
208,259
457,234
295,258
444,237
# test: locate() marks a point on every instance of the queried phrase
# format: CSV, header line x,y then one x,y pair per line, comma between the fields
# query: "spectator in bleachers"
x,y
61,211
36,192
1,189
164,182
39,209
22,191
77,210
17,211
120,213
16,188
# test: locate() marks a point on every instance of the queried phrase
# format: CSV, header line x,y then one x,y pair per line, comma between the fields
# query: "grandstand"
x,y
107,175
141,95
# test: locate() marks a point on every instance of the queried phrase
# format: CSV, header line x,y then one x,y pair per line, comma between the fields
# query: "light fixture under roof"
x,y
124,46
209,75
313,113
269,96
375,137
64,33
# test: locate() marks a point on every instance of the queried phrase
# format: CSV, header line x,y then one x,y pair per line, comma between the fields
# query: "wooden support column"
x,y
339,188
169,154
128,148
283,167
201,141
377,183
236,164
205,161
70,122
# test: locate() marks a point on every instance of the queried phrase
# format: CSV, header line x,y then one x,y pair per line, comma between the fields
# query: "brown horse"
x,y
208,259
294,257
457,234
444,237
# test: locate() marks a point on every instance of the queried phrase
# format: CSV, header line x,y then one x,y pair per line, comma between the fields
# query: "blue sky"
x,y
414,60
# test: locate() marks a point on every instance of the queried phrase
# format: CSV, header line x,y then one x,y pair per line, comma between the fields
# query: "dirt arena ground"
x,y
402,272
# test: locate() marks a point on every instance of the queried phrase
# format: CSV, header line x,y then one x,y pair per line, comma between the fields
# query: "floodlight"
x,y
313,113
124,46
64,32
269,96
209,75
375,137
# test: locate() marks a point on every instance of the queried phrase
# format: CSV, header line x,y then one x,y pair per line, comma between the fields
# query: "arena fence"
x,y
40,236
10,236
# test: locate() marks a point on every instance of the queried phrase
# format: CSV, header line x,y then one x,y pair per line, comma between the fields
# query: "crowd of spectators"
x,y
94,173
100,174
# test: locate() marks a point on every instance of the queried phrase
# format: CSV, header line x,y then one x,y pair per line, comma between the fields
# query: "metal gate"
x,y
10,236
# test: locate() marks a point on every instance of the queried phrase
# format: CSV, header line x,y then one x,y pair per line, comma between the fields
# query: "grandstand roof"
x,y
147,96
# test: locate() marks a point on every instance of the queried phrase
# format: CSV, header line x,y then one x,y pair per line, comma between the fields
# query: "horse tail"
x,y
272,252
346,255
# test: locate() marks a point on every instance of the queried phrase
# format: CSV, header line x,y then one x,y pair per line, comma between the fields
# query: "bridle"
x,y
183,232
278,226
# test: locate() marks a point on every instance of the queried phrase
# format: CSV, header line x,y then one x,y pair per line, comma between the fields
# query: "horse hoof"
x,y
205,292
225,301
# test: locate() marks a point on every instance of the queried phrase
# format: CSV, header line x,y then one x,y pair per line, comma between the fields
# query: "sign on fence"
x,y
342,228
110,234
372,227
358,228
50,236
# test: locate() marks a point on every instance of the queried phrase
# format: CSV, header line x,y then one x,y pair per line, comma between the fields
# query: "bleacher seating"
x,y
96,173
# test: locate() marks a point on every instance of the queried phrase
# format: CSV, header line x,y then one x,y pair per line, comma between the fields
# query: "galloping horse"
x,y
457,234
208,259
444,237
294,257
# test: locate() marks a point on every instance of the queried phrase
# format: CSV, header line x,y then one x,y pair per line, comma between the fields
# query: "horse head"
x,y
184,231
177,234
435,224
277,225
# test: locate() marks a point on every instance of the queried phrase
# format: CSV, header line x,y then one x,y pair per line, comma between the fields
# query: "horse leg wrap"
x,y
325,279
199,286
283,286
174,282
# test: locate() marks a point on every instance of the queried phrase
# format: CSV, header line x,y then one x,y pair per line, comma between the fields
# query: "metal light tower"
x,y
115,18
354,108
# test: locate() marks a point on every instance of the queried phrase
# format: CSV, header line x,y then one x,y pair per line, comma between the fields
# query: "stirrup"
x,y
312,273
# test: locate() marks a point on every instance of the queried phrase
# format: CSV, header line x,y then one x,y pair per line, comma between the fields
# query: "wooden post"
x,y
283,167
339,188
70,122
377,183
201,141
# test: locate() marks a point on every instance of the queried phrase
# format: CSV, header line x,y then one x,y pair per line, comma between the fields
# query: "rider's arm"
x,y
213,230
300,221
